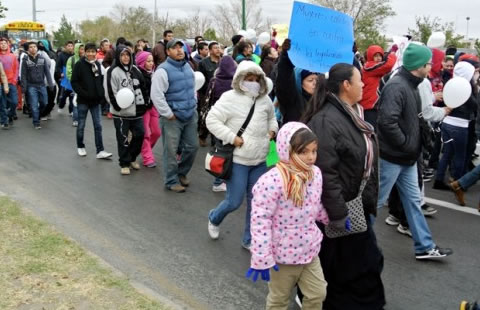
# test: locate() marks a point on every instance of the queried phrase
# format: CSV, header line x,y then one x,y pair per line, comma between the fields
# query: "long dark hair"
x,y
336,76
240,48
265,52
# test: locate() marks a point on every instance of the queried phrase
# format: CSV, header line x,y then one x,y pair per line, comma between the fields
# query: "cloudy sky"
x,y
278,10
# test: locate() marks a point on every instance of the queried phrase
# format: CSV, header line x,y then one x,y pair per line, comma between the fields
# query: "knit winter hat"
x,y
236,38
464,69
416,56
141,58
304,74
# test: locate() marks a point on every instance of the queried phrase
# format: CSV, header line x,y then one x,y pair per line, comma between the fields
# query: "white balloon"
x,y
263,38
243,33
436,40
125,97
269,85
251,35
456,92
199,80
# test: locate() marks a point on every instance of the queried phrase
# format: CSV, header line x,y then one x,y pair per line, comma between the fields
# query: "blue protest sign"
x,y
321,37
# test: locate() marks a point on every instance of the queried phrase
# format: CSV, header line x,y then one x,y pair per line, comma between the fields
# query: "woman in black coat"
x,y
347,154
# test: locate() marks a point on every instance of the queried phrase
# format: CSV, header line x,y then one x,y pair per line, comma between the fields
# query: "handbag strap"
x,y
249,117
362,186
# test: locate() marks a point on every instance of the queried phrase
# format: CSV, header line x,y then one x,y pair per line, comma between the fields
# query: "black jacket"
x,y
290,100
398,124
341,158
87,85
468,110
147,78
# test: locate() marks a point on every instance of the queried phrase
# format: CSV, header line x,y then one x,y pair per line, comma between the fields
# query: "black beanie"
x,y
236,38
304,74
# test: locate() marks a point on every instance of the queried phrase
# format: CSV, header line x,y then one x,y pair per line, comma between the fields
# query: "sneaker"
x,y
219,188
60,111
392,220
404,230
213,230
44,118
428,210
37,127
134,165
246,246
103,155
436,252
427,178
465,305
5,126
298,301
81,152
429,170
10,120
151,165
15,118
75,124
459,193
125,171
183,180
440,185
177,188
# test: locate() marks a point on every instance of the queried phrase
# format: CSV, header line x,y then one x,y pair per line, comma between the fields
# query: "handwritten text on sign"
x,y
321,37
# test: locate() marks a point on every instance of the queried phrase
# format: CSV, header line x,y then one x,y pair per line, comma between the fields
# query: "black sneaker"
x,y
5,126
436,252
465,305
440,185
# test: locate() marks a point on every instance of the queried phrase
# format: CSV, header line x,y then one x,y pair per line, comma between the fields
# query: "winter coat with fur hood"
x,y
230,112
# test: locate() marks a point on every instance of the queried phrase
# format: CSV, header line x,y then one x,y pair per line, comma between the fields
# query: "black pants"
x,y
128,150
51,93
437,147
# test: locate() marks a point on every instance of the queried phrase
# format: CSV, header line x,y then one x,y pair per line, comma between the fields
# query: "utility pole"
x,y
468,20
244,17
154,24
34,10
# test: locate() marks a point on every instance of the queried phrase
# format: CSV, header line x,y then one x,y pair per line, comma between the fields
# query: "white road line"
x,y
452,206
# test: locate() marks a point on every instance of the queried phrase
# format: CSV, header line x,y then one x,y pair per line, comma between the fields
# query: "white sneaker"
x,y
44,118
219,188
392,220
103,155
404,230
75,124
82,152
213,231
60,111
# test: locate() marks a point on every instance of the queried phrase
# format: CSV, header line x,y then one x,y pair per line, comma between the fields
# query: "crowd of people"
x,y
362,134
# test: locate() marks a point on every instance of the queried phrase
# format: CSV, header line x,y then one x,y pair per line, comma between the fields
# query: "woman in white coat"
x,y
224,121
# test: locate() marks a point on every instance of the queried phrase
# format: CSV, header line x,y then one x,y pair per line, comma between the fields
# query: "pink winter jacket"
x,y
281,232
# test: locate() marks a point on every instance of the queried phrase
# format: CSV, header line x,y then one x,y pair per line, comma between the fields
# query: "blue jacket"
x,y
180,95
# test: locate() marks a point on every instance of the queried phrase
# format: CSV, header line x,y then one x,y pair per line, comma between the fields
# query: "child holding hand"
x,y
286,204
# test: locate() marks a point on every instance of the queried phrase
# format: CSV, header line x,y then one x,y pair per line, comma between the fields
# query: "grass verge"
x,y
41,269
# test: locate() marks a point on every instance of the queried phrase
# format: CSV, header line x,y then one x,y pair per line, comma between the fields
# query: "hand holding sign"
x,y
321,37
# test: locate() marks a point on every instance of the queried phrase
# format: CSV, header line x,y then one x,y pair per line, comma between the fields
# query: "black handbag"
x,y
219,159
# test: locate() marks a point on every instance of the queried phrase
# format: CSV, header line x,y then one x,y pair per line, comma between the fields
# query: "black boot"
x,y
440,185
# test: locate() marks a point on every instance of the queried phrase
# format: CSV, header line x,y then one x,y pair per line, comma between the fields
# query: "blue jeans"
x,y
37,99
178,136
470,178
240,183
3,112
11,100
406,179
455,140
97,125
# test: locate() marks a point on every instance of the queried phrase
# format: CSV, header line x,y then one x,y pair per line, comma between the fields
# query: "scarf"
x,y
295,175
367,131
94,67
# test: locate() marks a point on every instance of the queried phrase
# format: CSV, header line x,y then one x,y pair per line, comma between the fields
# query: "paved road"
x,y
160,240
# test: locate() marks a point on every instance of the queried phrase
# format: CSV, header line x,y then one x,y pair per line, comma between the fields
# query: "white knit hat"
x,y
464,69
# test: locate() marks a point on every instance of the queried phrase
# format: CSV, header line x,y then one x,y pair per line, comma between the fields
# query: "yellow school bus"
x,y
23,30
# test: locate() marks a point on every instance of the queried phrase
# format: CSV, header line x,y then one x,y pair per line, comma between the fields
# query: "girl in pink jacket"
x,y
286,203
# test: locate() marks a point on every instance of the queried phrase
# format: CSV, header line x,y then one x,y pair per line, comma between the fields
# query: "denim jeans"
x,y
11,100
97,125
406,180
240,183
3,111
178,137
68,94
470,178
37,99
455,140
128,151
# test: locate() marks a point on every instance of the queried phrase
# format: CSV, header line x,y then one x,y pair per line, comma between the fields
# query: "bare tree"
x,y
228,18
